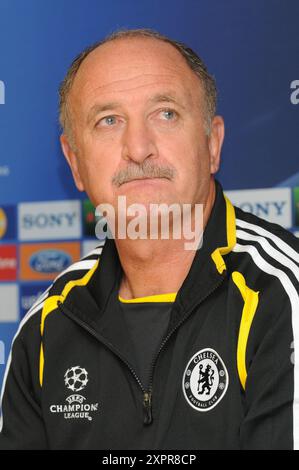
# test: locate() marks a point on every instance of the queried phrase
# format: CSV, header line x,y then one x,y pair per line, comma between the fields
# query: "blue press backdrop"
x,y
252,48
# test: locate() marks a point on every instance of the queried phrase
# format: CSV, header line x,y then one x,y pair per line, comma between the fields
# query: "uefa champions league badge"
x,y
76,406
205,380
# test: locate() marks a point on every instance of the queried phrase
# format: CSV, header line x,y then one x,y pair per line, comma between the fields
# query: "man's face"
x,y
138,110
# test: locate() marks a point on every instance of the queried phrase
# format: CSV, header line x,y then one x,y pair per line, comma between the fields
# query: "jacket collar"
x,y
206,270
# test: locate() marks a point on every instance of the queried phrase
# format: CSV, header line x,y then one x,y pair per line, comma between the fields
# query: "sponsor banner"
x,y
44,261
29,294
270,204
53,220
89,220
8,262
89,245
296,205
8,219
9,308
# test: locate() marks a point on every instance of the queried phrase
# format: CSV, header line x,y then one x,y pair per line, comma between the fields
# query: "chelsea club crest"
x,y
205,380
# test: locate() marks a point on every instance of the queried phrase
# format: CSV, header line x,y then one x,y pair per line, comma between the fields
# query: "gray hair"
x,y
195,63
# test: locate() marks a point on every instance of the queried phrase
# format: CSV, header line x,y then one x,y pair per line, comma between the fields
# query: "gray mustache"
x,y
144,170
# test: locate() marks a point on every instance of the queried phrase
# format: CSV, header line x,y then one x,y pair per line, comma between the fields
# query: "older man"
x,y
144,344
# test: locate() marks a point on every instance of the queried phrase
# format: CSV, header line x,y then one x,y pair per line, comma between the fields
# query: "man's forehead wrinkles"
x,y
128,90
150,79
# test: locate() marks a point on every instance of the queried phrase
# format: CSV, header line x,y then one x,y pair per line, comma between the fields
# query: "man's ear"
x,y
215,143
72,160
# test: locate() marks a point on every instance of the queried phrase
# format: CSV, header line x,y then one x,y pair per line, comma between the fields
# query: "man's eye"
x,y
107,121
168,114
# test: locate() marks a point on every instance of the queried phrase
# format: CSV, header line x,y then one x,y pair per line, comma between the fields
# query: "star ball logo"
x,y
76,378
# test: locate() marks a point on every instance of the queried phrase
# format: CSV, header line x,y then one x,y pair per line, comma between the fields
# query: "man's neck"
x,y
153,267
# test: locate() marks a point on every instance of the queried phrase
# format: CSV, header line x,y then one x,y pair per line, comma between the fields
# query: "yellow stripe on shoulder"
x,y
51,304
251,299
230,236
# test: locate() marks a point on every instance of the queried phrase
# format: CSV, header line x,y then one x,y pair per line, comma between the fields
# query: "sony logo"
x,y
264,209
2,92
43,220
49,220
272,204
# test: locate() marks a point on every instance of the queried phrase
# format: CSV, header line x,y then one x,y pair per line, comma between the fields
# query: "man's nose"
x,y
138,142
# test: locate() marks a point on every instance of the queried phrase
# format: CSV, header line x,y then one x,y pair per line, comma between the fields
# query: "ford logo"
x,y
50,261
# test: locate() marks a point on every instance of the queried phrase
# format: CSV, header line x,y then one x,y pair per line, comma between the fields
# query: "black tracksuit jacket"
x,y
222,378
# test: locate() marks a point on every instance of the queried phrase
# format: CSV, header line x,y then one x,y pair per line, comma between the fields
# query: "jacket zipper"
x,y
147,394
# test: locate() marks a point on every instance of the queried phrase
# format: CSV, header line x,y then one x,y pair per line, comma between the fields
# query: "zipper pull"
x,y
147,407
